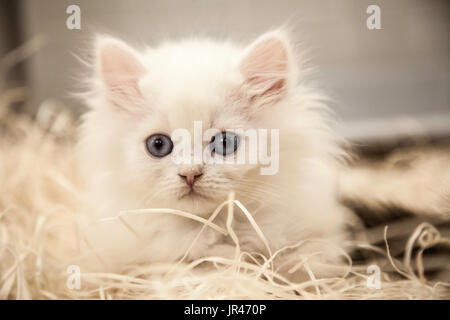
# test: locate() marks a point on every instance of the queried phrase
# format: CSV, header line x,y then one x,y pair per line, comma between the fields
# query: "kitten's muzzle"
x,y
190,177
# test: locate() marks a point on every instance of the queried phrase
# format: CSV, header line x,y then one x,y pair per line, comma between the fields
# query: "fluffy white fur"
x,y
157,90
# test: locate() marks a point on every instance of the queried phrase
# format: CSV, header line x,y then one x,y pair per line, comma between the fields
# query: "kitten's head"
x,y
142,98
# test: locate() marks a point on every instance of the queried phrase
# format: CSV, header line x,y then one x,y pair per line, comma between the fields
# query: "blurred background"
x,y
387,83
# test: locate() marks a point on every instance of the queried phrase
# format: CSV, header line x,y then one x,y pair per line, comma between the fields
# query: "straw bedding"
x,y
40,198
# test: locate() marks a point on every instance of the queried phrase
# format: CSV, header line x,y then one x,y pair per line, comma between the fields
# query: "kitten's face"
x,y
150,96
196,187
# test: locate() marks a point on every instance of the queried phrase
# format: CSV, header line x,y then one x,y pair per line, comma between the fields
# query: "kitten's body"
x,y
225,87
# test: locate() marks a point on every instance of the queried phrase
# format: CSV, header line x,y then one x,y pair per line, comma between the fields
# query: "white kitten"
x,y
138,94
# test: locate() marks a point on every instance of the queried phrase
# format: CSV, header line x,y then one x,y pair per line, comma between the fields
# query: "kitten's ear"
x,y
120,69
267,67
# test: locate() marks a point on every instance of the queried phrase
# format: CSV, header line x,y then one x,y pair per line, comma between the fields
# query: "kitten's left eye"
x,y
224,143
159,145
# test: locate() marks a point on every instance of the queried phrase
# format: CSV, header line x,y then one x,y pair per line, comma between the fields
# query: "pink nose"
x,y
190,176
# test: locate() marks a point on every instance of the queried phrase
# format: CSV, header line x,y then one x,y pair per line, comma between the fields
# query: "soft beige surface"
x,y
39,239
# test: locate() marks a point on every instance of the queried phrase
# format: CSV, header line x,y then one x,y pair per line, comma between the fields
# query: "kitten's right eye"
x,y
159,145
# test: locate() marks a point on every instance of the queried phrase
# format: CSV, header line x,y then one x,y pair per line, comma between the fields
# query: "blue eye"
x,y
159,145
224,143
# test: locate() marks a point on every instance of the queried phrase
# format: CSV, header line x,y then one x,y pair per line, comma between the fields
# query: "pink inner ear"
x,y
120,70
265,68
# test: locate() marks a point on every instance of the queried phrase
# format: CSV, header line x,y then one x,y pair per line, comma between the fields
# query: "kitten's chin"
x,y
196,203
193,195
